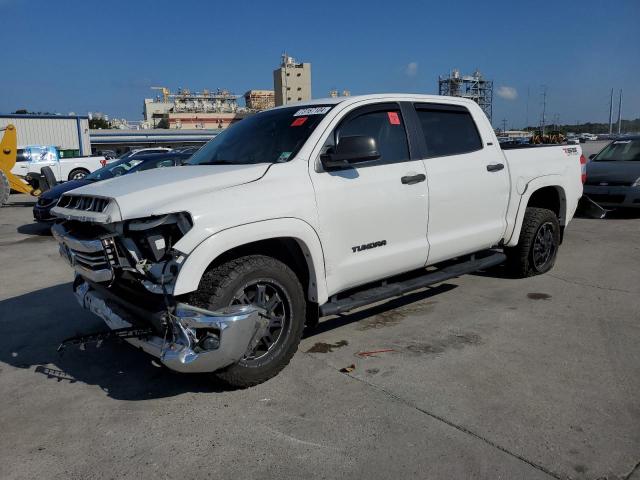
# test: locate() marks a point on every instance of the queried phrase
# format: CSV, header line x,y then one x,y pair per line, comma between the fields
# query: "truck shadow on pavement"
x,y
40,229
35,323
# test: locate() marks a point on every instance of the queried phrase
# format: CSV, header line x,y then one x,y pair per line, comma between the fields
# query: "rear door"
x,y
468,182
373,215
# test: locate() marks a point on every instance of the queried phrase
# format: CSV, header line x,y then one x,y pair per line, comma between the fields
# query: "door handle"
x,y
495,167
411,179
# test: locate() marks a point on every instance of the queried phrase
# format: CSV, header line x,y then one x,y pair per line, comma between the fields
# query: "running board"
x,y
397,289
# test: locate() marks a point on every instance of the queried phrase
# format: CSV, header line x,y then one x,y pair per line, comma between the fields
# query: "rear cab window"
x,y
447,129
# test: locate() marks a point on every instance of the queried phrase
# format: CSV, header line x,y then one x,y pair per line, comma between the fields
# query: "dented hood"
x,y
159,190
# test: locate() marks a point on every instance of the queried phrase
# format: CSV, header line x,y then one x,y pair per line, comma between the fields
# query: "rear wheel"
x,y
267,283
538,244
78,174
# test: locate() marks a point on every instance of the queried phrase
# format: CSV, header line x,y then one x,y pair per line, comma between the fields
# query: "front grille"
x,y
84,202
601,197
90,260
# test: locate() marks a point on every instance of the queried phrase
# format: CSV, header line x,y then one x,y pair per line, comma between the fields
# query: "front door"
x,y
373,215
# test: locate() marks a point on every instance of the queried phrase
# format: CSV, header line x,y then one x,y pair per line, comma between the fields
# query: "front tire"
x,y
538,244
270,284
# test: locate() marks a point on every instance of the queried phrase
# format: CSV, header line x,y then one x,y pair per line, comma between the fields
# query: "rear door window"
x,y
447,130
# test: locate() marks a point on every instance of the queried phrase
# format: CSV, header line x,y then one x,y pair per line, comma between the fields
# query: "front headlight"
x,y
155,236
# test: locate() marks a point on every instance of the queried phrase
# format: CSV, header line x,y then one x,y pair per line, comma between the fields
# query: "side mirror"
x,y
353,149
592,156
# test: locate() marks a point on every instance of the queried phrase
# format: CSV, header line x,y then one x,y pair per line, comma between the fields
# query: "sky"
x,y
90,55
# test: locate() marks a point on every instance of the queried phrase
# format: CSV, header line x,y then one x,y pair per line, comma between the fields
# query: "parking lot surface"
x,y
481,377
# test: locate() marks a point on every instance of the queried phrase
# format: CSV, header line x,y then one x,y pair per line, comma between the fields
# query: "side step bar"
x,y
400,288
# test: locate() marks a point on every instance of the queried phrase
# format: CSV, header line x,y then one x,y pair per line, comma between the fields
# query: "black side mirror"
x,y
353,149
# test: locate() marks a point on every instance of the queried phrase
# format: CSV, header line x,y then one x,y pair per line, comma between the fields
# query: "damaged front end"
x,y
125,274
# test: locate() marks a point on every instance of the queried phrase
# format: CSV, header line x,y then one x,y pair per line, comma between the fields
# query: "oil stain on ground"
x,y
454,341
395,316
538,296
322,347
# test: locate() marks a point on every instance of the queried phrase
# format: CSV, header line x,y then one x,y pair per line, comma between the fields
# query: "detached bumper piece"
x,y
195,340
99,337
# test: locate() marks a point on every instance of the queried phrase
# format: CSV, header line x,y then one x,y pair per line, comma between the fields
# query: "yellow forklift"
x,y
9,181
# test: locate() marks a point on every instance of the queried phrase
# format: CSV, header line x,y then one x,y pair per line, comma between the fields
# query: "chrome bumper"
x,y
238,329
87,257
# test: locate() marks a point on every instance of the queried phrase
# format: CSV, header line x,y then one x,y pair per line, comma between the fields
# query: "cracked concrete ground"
x,y
482,377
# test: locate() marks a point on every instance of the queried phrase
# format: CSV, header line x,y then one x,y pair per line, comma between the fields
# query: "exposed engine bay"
x,y
140,250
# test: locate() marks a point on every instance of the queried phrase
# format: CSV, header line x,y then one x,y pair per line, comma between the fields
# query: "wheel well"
x,y
290,252
550,198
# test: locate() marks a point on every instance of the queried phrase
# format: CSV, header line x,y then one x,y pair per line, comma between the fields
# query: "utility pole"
x,y
526,123
504,125
620,112
544,108
610,112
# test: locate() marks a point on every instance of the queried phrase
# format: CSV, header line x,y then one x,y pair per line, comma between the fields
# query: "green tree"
x,y
99,123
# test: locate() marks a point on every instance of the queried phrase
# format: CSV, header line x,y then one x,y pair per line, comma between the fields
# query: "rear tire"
x,y
265,281
537,246
78,174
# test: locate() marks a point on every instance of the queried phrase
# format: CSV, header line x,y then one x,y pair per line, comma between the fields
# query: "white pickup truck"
x,y
33,159
307,211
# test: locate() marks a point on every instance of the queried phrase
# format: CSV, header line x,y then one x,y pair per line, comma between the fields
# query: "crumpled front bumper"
x,y
237,328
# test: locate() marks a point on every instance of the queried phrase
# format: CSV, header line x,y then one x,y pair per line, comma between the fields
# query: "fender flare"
x,y
513,231
211,248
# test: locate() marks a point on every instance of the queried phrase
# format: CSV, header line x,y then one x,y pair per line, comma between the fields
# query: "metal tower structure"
x,y
474,87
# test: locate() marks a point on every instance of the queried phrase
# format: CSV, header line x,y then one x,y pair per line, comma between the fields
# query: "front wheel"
x,y
538,244
270,284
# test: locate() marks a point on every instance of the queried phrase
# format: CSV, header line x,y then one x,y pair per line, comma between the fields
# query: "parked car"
x,y
588,136
305,211
46,201
613,175
32,159
144,151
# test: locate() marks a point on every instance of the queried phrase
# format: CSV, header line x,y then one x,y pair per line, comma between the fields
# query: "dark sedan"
x,y
125,166
613,175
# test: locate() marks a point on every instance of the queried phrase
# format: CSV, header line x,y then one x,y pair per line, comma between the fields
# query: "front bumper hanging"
x,y
231,333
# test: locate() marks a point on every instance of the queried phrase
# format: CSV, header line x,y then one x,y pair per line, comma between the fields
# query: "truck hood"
x,y
156,191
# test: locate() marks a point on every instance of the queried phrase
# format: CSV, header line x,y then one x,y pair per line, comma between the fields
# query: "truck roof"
x,y
379,96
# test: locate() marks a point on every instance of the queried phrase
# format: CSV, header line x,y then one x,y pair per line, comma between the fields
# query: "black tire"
x,y
47,179
221,287
5,189
78,174
540,231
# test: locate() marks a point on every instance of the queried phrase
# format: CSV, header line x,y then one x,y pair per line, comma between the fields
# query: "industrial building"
x,y
258,100
192,110
292,81
121,141
66,132
474,87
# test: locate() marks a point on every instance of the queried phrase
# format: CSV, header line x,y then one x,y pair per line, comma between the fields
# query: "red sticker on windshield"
x,y
298,121
394,119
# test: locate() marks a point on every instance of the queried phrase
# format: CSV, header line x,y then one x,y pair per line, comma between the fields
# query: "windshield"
x,y
620,151
267,137
114,169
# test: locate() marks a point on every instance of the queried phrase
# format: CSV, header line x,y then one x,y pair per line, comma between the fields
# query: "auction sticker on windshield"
x,y
312,111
